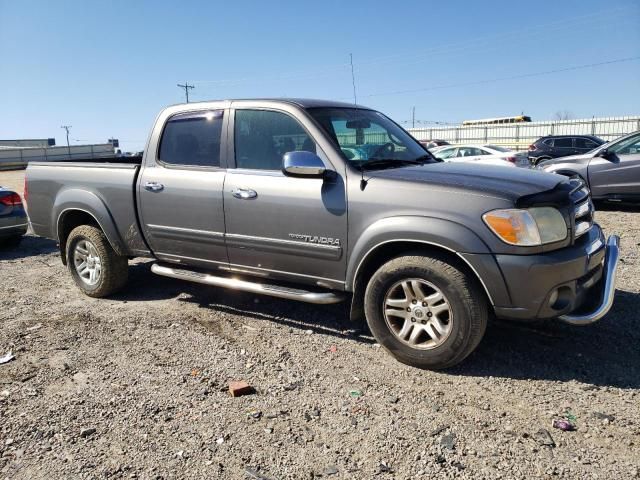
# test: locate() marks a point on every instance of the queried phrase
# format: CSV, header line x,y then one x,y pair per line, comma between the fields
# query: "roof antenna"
x,y
363,181
353,80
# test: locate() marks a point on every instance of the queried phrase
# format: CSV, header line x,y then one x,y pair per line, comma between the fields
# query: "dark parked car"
x,y
433,143
612,171
554,146
13,218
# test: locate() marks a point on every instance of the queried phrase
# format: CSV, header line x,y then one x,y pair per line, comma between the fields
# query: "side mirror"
x,y
604,153
303,164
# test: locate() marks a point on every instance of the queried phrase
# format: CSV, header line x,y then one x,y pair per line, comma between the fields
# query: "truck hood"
x,y
502,182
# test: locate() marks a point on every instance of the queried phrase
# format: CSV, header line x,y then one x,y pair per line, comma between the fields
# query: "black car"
x,y
433,143
554,146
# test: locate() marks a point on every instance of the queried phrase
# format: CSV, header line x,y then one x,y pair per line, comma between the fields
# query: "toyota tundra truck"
x,y
322,201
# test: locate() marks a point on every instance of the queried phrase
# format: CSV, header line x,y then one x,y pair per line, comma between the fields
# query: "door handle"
x,y
244,193
153,186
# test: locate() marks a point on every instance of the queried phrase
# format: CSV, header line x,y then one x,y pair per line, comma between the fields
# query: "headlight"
x,y
526,228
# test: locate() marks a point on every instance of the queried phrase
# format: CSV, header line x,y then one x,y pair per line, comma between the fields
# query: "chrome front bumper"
x,y
608,287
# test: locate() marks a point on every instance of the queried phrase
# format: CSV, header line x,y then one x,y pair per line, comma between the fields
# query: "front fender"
x,y
445,234
82,200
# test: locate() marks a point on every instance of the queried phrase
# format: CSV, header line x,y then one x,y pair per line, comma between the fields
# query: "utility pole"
x,y
67,127
186,87
413,117
353,79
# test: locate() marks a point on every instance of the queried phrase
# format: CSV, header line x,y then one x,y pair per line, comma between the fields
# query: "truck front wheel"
x,y
425,311
95,267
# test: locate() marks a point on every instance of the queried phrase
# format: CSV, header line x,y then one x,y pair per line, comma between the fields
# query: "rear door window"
x,y
563,143
192,139
469,152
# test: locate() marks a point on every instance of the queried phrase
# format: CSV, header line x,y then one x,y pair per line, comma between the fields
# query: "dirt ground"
x,y
135,386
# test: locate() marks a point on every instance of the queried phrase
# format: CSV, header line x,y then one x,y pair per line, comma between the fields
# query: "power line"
x,y
501,79
564,25
186,87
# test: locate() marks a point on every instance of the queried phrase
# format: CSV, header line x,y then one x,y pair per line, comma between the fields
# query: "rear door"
x,y
619,173
280,226
563,146
180,189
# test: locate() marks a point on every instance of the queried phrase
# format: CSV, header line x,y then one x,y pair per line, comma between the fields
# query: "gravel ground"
x,y
135,386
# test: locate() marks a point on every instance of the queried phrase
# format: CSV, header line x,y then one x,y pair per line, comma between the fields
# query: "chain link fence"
x,y
519,136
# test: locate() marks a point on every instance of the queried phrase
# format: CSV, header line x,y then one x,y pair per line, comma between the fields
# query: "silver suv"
x,y
612,170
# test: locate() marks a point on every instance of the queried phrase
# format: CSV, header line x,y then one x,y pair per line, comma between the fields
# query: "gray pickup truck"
x,y
322,201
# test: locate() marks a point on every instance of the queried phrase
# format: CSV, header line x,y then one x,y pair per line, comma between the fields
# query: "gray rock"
x,y
544,438
87,432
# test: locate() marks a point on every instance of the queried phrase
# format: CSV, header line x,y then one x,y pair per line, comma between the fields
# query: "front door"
x,y
280,226
619,173
180,193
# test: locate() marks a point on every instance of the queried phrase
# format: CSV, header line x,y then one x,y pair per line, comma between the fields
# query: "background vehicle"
x,y
612,171
428,144
13,218
561,146
498,121
317,201
484,154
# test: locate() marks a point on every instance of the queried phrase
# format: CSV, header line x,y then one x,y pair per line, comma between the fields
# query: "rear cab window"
x,y
192,139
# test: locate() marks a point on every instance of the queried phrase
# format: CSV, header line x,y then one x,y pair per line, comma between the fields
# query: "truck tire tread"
x,y
115,268
466,298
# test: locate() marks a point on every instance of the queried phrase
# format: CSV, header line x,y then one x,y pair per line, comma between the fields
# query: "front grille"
x,y
583,208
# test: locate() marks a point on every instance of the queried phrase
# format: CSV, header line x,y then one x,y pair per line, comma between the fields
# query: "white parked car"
x,y
485,154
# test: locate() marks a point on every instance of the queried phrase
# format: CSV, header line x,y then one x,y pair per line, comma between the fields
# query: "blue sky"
x,y
107,68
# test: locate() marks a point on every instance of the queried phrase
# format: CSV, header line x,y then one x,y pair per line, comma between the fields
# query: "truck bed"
x,y
134,160
108,187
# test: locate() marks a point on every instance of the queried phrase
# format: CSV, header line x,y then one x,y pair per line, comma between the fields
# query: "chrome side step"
x,y
244,285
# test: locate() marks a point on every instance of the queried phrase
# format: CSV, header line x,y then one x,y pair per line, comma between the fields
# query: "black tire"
x,y
10,242
114,267
467,305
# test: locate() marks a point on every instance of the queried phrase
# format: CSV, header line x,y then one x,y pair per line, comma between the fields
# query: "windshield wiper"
x,y
389,162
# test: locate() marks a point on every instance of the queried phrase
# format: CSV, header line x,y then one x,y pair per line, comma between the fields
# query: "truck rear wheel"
x,y
95,267
425,311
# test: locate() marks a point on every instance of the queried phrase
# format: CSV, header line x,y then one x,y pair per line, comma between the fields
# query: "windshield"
x,y
366,135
